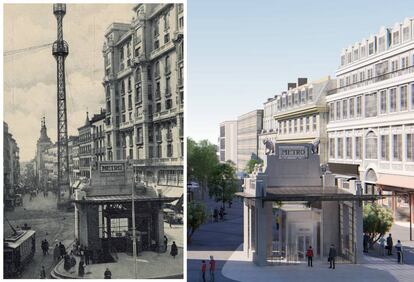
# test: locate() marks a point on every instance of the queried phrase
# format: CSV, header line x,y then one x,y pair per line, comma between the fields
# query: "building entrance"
x,y
303,241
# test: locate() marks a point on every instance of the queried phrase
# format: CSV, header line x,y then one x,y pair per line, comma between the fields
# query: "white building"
x,y
298,115
371,120
228,141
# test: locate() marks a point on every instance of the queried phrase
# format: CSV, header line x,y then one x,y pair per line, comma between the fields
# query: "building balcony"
x,y
372,80
139,59
108,78
139,117
165,114
169,136
126,124
159,162
180,82
157,94
161,50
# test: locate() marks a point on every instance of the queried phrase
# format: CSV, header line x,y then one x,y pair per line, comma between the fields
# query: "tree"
x,y
223,183
250,165
377,221
196,216
201,162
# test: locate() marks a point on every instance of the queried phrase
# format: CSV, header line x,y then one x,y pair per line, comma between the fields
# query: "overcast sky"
x,y
242,52
30,77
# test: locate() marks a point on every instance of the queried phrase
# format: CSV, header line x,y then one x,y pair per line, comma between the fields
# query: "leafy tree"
x,y
250,165
201,162
196,216
377,221
223,183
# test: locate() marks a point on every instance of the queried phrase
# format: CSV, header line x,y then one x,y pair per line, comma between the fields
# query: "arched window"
x,y
371,146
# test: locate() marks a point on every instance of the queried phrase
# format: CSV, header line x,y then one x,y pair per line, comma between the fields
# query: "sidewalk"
x,y
240,268
151,265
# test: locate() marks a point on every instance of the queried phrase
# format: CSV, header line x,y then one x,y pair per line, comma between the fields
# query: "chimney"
x,y
302,81
291,85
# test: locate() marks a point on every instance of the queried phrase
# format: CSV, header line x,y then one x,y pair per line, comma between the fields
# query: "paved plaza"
x,y
223,240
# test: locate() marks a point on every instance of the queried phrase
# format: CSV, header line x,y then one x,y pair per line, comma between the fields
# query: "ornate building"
x,y
144,94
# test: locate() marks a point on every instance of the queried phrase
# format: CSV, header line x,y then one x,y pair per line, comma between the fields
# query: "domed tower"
x,y
43,143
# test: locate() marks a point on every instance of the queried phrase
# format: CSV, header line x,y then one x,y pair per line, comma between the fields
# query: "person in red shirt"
x,y
203,270
309,255
212,268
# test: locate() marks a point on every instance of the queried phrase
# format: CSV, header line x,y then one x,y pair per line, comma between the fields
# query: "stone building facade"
x,y
144,93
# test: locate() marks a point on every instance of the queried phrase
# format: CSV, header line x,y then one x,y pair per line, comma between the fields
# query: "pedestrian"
x,y
81,269
332,256
56,253
381,246
389,244
215,215
221,213
230,202
87,255
43,247
309,255
174,249
107,274
72,261
43,273
365,242
66,264
399,249
203,270
62,249
212,268
165,243
170,219
47,246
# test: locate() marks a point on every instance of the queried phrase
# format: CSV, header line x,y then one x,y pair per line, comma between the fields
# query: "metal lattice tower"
x,y
60,50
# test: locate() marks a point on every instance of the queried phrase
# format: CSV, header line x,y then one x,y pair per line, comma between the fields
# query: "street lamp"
x,y
134,239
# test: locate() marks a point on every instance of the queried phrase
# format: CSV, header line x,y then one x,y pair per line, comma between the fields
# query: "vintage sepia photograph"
x,y
93,141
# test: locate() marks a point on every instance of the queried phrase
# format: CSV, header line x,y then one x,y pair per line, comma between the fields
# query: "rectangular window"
x,y
332,110
403,98
396,37
345,109
332,147
314,124
397,146
410,147
301,124
412,94
358,147
385,147
393,100
338,110
358,106
383,98
340,148
371,105
295,126
406,33
351,107
349,148
307,124
310,94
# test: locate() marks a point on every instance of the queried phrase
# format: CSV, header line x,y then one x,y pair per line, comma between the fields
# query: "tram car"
x,y
18,251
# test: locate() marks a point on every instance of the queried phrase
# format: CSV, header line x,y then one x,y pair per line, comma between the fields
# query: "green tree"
x,y
201,162
377,221
196,216
223,183
250,165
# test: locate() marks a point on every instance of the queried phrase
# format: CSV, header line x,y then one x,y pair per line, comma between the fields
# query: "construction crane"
x,y
60,50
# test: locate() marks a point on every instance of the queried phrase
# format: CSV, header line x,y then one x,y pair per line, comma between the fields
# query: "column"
x,y
160,228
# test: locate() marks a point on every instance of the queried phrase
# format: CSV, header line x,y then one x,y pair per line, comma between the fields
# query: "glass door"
x,y
303,242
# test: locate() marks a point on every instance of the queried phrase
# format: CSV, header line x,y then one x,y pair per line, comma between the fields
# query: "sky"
x,y
242,52
30,77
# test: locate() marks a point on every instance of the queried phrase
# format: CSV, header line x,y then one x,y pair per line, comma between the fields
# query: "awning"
x,y
123,198
172,192
396,182
310,193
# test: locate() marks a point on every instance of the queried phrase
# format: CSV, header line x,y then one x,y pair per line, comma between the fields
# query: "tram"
x,y
18,251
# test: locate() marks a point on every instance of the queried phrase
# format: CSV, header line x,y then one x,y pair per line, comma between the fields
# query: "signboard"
x,y
111,168
293,152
